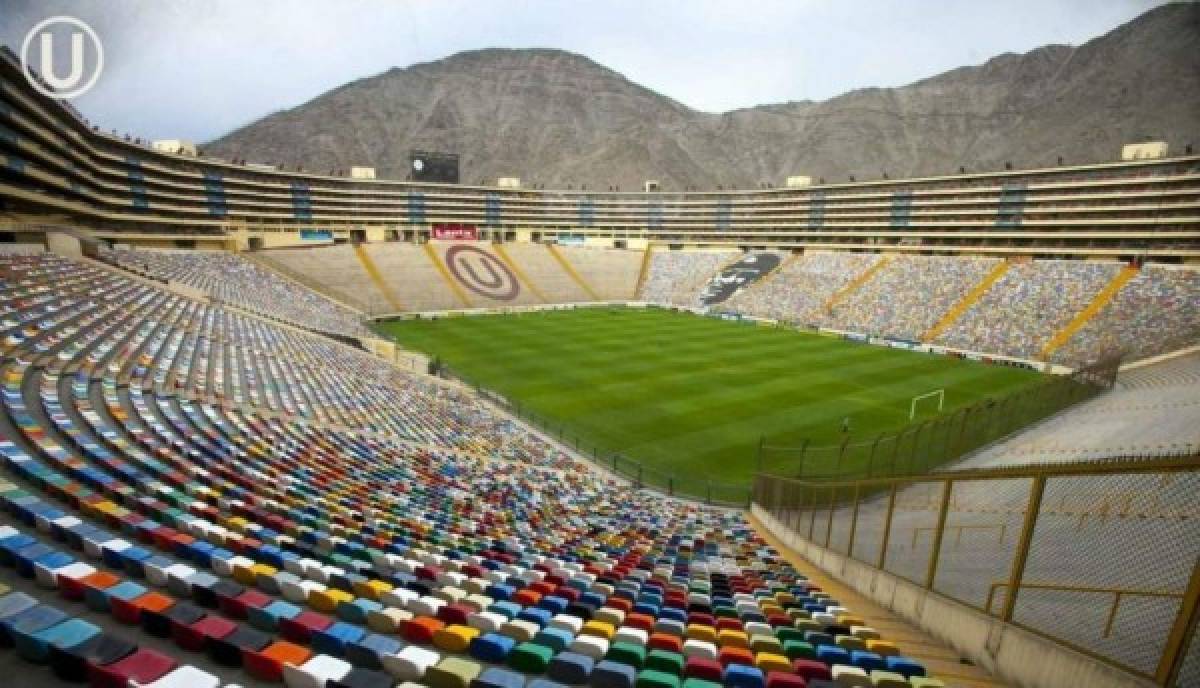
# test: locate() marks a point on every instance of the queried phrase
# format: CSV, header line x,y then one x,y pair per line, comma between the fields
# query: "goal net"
x,y
939,394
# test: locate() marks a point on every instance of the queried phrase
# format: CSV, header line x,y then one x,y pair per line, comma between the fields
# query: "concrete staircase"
x,y
373,272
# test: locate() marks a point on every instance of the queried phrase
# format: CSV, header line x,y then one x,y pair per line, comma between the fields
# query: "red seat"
x,y
194,637
421,629
142,666
782,679
811,669
735,655
666,641
454,613
703,668
237,606
300,627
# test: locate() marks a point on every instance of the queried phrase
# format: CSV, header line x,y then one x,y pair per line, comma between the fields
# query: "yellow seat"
x,y
765,643
701,632
770,661
244,574
371,589
732,638
454,638
327,600
600,629
883,648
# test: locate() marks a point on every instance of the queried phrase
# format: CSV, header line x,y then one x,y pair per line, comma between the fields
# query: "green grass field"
x,y
692,395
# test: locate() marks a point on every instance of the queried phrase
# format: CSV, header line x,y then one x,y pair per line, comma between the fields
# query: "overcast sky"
x,y
196,69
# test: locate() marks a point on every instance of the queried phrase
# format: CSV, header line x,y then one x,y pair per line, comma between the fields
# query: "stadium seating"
x,y
231,279
352,490
1154,313
908,295
611,273
1028,305
798,291
677,277
334,270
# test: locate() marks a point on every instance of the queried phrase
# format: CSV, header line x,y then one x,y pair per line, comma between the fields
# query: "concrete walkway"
x,y
941,661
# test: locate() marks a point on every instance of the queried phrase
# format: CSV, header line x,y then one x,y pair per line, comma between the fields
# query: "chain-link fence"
x,y
1101,556
924,445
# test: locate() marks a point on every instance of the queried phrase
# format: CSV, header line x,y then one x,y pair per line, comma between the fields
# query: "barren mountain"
x,y
559,119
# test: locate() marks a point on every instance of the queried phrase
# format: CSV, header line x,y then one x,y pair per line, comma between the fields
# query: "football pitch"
x,y
692,395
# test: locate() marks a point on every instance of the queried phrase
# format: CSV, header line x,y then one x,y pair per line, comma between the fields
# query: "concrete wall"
x,y
1012,654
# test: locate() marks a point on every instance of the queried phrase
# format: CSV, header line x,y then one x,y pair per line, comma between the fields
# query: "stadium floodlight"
x,y
939,393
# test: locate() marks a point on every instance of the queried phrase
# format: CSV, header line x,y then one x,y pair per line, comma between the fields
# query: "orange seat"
x,y
268,664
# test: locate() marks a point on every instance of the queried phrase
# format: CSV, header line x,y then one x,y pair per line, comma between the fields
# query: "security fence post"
x,y
939,530
1037,490
871,459
829,522
853,523
887,527
812,520
1186,623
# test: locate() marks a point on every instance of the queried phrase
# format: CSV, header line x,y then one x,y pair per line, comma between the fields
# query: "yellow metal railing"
x,y
1117,595
1085,520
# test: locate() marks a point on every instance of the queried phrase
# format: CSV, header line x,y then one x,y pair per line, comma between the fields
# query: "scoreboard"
x,y
427,166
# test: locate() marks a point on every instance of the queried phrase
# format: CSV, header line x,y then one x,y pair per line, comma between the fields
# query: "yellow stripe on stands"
x,y
637,291
377,278
441,268
855,283
1103,297
966,302
521,276
571,272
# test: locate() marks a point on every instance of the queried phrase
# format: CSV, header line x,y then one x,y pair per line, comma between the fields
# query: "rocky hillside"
x,y
559,119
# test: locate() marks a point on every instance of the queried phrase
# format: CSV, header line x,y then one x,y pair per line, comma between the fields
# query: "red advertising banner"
x,y
458,232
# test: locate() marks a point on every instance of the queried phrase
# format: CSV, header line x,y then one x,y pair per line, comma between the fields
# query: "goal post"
x,y
941,401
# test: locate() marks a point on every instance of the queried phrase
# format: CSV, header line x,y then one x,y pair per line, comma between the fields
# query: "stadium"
x,y
264,425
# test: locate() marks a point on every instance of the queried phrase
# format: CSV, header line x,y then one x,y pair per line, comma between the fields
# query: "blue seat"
x,y
132,559
610,674
867,661
356,611
553,604
508,610
267,618
366,651
541,617
832,654
742,676
333,640
14,603
98,599
571,668
25,557
12,544
905,666
72,632
28,622
491,647
496,677
554,638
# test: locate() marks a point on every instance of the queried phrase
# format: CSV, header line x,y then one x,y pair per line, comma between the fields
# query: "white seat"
x,y
410,663
590,646
315,672
693,647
